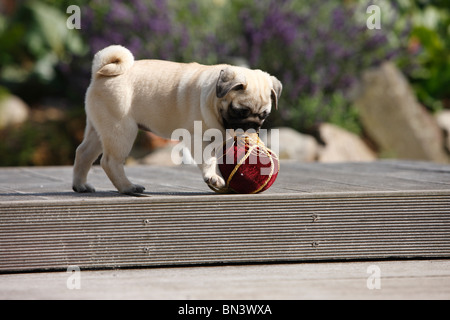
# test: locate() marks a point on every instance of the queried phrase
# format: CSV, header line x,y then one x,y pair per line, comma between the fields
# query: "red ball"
x,y
247,165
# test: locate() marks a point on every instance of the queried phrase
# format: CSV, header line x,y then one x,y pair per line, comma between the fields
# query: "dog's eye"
x,y
236,112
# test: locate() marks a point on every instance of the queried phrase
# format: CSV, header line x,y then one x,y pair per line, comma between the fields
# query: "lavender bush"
x,y
145,27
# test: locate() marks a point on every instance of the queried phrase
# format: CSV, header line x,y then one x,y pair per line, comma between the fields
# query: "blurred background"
x,y
323,52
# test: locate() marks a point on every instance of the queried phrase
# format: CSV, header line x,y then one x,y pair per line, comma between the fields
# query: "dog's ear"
x,y
277,87
229,80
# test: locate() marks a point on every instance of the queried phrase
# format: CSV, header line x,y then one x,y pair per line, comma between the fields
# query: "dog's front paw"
x,y
212,176
216,182
83,188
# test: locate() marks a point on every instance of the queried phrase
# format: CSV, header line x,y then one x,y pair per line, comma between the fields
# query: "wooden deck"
x,y
385,211
314,212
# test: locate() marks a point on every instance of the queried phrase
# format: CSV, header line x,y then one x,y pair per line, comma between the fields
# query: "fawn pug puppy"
x,y
161,96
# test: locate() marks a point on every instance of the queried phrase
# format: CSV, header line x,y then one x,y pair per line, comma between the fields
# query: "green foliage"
x,y
3,93
334,107
36,144
40,142
200,20
430,39
33,41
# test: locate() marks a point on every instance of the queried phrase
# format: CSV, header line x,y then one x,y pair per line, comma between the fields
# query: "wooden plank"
x,y
398,280
313,213
149,232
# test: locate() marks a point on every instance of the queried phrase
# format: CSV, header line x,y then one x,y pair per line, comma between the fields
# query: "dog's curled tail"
x,y
112,61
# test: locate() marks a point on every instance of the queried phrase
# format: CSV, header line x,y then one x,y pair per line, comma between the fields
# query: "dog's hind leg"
x,y
116,147
88,151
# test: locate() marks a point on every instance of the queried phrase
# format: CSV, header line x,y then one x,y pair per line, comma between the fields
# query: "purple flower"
x,y
147,28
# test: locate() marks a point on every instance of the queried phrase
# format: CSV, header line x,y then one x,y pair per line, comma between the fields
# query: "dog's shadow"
x,y
172,193
70,195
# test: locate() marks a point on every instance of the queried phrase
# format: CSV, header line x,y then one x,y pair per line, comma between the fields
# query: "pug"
x,y
161,96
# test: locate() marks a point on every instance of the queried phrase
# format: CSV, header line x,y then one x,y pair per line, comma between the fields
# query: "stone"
x,y
341,145
394,119
293,145
13,111
443,120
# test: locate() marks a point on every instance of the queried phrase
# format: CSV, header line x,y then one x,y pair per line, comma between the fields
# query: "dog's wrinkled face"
x,y
246,97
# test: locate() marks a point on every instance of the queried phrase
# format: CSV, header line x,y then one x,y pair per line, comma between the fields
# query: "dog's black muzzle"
x,y
244,125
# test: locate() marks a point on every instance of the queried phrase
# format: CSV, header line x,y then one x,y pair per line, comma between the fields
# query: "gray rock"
x,y
342,146
292,145
13,111
443,120
393,118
